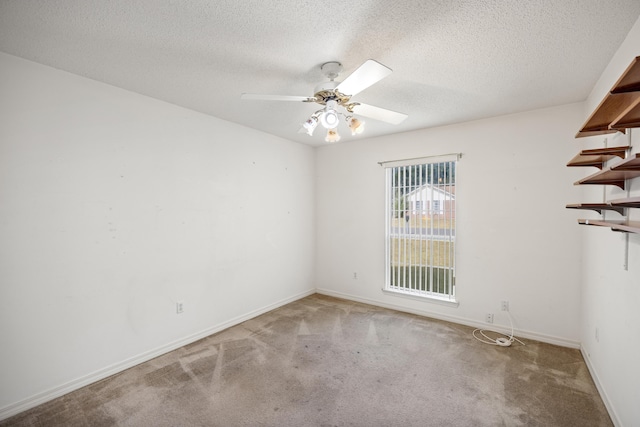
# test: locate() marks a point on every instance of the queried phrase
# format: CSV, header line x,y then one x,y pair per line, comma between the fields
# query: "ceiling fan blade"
x,y
378,113
367,74
259,97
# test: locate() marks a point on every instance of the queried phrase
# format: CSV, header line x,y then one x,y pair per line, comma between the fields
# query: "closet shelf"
x,y
619,108
630,227
616,174
597,156
598,207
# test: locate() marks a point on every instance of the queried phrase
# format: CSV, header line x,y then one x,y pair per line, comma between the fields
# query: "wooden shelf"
x,y
597,156
608,111
609,177
617,111
598,207
629,118
630,79
616,174
632,202
631,163
630,227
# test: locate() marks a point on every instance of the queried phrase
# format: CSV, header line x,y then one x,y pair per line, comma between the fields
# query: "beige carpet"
x,y
322,361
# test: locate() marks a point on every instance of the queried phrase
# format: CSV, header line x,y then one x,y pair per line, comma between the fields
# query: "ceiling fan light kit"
x,y
334,94
310,125
329,117
332,136
356,126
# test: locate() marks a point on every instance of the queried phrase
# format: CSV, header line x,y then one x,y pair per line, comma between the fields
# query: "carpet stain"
x,y
322,361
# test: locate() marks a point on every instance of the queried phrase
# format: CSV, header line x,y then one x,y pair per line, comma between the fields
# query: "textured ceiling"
x,y
453,61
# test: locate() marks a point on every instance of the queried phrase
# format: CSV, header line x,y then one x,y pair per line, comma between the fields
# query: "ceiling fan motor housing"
x,y
326,91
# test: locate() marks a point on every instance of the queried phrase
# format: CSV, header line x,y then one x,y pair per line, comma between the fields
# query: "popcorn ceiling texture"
x,y
453,61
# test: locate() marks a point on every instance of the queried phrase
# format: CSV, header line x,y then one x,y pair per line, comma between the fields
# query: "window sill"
x,y
423,297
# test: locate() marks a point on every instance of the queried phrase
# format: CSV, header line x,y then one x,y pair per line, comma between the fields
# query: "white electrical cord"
x,y
503,341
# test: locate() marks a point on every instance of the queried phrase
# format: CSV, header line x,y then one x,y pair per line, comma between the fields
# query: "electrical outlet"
x,y
504,305
179,307
488,318
597,335
355,275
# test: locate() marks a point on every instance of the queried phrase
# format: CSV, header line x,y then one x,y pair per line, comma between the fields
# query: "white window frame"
x,y
418,286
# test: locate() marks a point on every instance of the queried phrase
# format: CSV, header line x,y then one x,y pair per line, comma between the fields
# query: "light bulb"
x,y
332,136
329,119
356,126
310,125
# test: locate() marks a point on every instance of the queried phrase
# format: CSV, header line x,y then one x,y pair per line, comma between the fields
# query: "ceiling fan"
x,y
334,94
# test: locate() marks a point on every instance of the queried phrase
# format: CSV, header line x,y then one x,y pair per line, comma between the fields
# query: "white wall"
x,y
113,206
611,294
523,246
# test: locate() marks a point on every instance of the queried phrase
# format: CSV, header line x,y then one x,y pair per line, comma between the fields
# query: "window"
x,y
420,244
436,207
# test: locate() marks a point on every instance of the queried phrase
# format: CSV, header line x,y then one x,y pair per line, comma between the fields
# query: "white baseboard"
x,y
455,319
45,396
603,394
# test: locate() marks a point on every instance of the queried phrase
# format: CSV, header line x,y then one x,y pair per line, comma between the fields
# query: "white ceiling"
x,y
453,61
